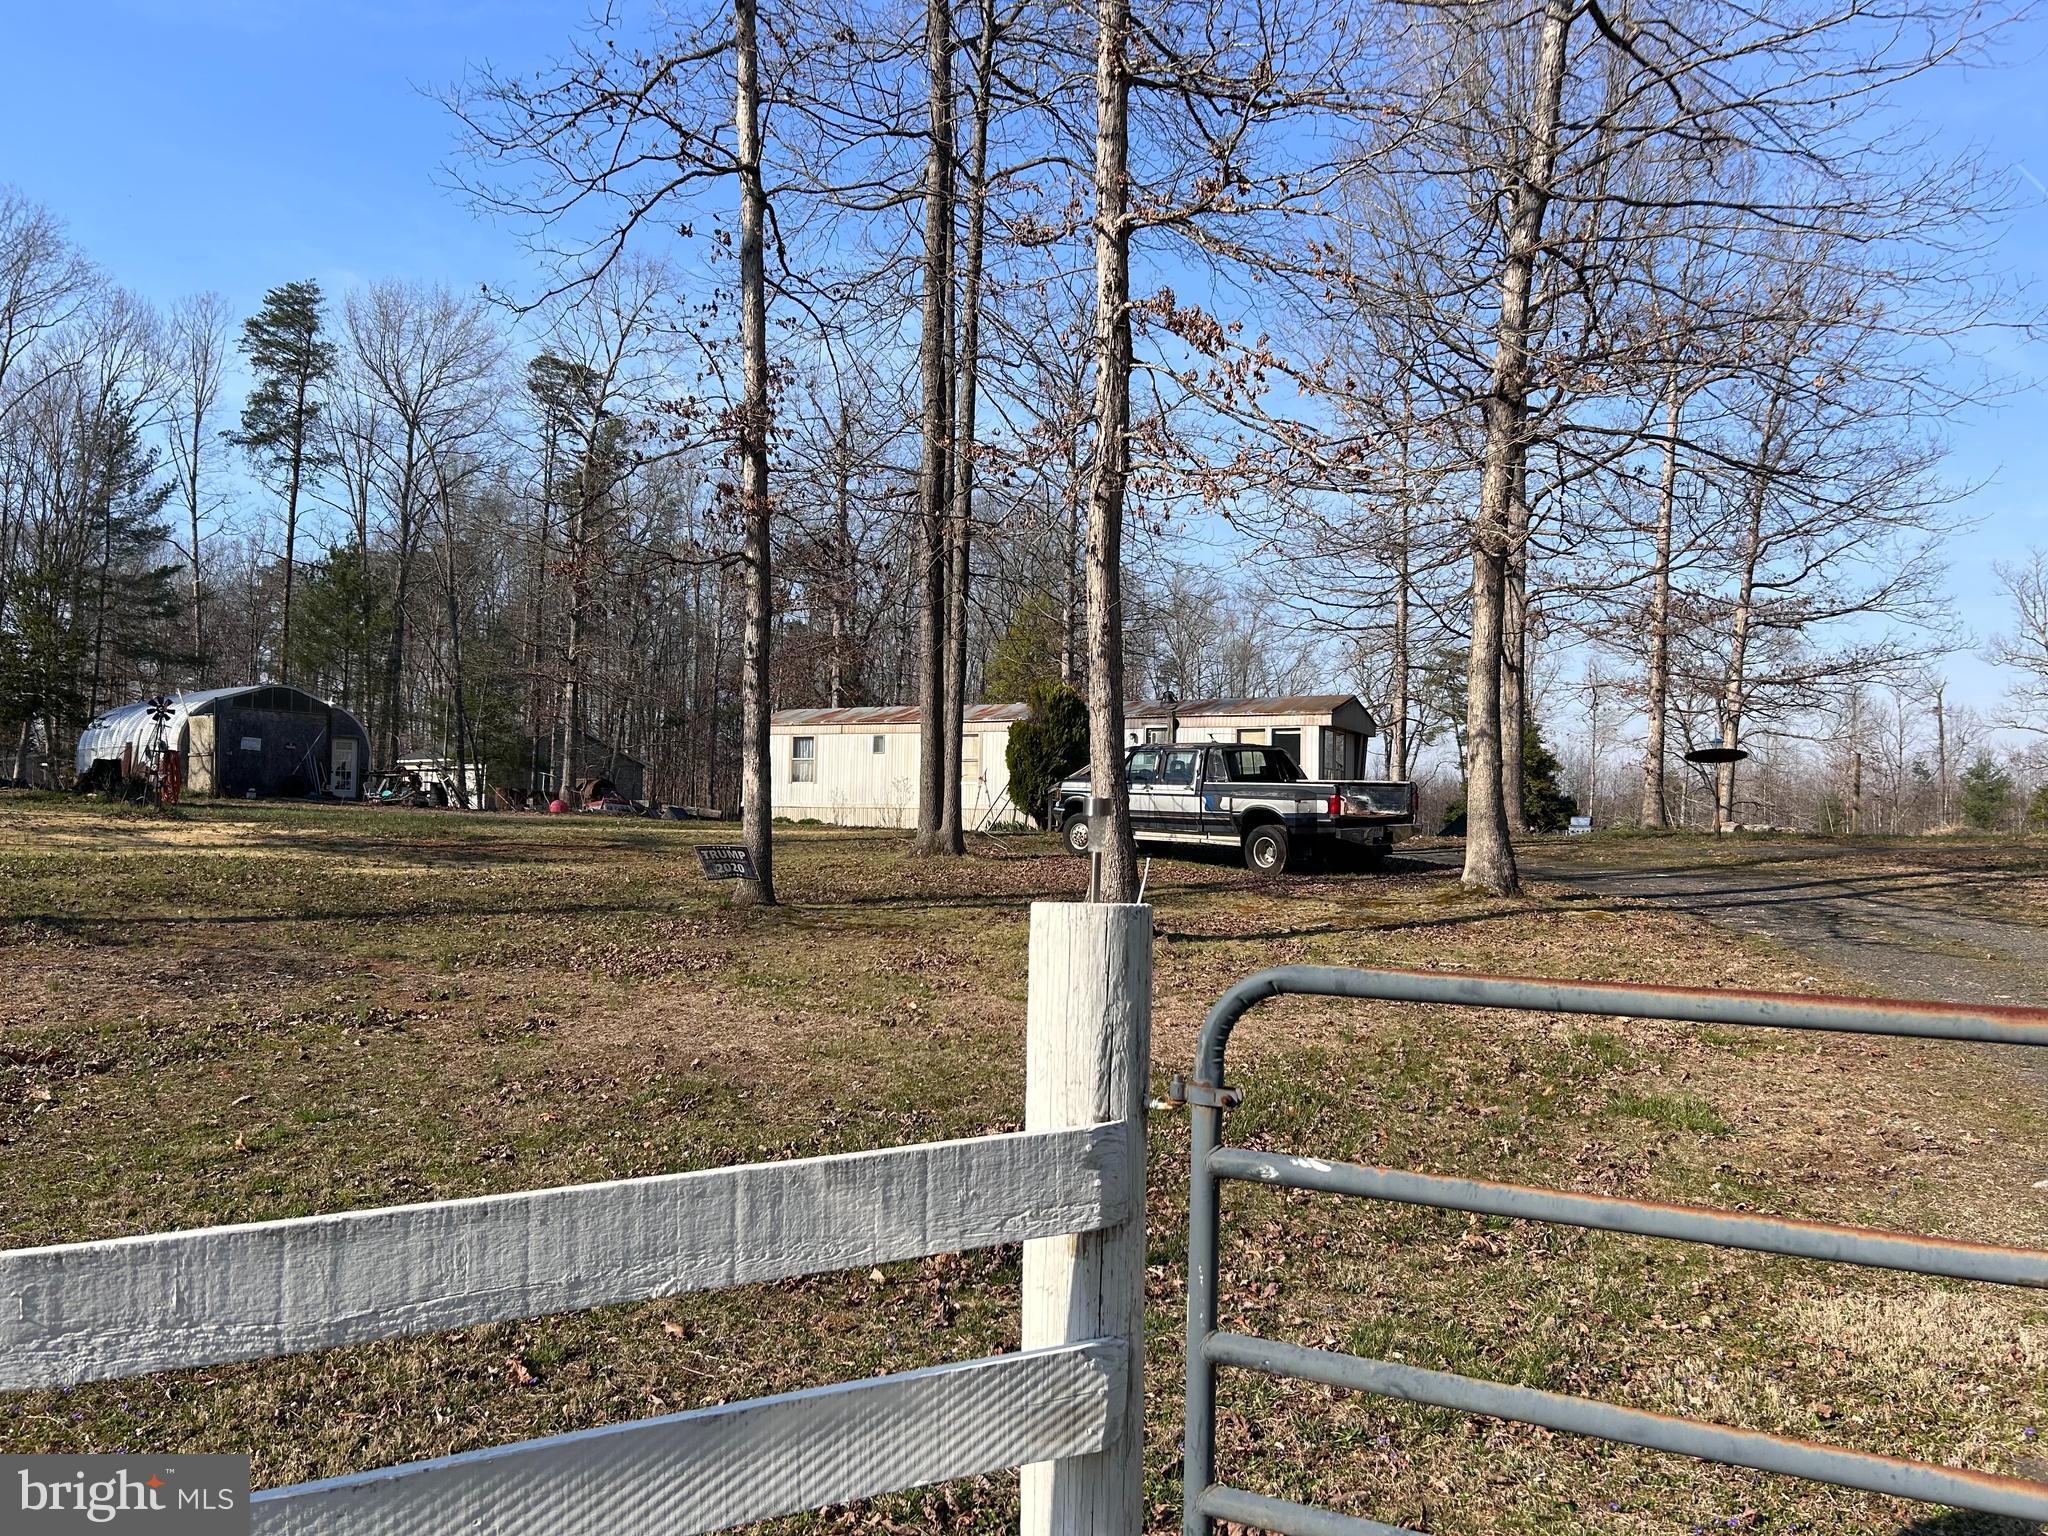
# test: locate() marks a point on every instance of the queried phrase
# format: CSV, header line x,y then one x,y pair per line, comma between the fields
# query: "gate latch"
x,y
1181,1091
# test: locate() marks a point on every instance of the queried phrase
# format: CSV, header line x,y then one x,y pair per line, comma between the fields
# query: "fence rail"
x,y
1213,1164
172,1300
715,1467
1067,1407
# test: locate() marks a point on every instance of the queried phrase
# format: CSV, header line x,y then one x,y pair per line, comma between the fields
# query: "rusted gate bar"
x,y
1207,1501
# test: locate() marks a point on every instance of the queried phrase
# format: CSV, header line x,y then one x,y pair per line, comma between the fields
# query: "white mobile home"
x,y
1325,733
857,766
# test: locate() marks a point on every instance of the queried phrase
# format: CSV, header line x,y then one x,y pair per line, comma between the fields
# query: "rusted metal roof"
x,y
1149,709
1292,704
893,714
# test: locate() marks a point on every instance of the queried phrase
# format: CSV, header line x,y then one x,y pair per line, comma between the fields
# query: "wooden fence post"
x,y
1088,1055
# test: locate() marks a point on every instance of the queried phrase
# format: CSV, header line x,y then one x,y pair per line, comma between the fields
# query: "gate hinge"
x,y
1181,1091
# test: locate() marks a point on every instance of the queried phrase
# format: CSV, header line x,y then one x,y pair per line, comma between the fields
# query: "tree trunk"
x,y
394,652
1403,662
758,814
1489,852
967,372
1514,667
291,529
843,574
1735,685
569,727
1072,595
1119,853
191,478
934,357
1941,752
535,612
1657,692
449,583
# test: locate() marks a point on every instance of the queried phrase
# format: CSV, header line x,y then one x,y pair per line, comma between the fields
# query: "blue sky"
x,y
234,144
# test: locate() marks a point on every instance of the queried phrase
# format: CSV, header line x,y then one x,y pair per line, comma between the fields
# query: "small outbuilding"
x,y
265,738
598,759
1325,733
858,766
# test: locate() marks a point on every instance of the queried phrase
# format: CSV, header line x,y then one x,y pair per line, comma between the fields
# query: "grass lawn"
x,y
250,1011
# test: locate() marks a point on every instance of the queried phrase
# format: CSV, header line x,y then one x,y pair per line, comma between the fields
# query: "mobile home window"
x,y
1290,743
970,755
1255,735
880,745
803,759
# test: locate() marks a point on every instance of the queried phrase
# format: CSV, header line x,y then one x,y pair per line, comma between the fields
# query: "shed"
x,y
269,738
599,759
1325,733
858,766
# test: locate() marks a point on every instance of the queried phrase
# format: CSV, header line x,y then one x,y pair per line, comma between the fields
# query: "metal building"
x,y
268,738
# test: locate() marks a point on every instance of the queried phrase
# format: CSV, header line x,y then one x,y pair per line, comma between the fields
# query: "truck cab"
x,y
1246,796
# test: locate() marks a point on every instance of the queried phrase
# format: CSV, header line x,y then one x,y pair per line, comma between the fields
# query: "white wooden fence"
x,y
1068,1408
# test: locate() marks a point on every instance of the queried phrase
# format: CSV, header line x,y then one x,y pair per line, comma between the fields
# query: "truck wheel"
x,y
1265,849
1074,831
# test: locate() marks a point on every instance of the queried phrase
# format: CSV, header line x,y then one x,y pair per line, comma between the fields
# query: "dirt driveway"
x,y
1966,922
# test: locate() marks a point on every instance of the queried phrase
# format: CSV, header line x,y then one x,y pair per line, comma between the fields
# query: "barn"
x,y
857,766
264,738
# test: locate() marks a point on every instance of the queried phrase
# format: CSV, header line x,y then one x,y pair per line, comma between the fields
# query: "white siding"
x,y
1324,746
1230,728
856,786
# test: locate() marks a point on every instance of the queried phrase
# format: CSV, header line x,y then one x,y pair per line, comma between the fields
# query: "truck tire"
x,y
1074,833
1265,849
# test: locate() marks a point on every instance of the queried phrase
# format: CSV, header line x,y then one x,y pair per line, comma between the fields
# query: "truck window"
x,y
1256,765
1143,767
1178,770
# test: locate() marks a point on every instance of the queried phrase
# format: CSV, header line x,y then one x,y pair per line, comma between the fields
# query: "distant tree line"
x,y
922,353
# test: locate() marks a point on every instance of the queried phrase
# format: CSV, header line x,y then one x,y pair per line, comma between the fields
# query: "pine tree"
x,y
78,637
1545,805
1046,746
1985,791
1028,652
292,360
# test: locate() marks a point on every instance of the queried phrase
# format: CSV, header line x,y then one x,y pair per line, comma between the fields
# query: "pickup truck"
x,y
1249,797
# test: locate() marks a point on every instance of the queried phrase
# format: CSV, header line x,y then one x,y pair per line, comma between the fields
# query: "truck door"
x,y
1175,808
1141,771
1217,819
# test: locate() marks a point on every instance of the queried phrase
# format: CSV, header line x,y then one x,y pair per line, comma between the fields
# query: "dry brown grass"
x,y
252,1012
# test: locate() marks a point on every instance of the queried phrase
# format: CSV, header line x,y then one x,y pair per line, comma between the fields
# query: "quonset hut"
x,y
267,737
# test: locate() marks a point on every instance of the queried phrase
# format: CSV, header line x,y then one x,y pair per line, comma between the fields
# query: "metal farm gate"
x,y
1067,1407
1213,1162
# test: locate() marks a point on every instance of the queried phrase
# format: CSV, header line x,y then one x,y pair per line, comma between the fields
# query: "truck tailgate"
x,y
1384,800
